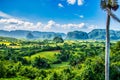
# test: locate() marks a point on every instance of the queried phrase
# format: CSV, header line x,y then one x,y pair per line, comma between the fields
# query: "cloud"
x,y
51,26
60,5
91,27
4,15
56,27
80,16
72,2
16,24
80,2
11,21
39,24
73,26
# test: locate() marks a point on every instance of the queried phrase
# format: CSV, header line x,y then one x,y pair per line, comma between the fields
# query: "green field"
x,y
61,65
50,55
6,43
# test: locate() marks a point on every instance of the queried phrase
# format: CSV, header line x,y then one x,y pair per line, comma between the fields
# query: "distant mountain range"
x,y
77,35
99,34
28,34
96,34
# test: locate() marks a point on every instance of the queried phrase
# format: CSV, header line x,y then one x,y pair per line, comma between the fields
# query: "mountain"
x,y
24,33
77,35
30,36
47,35
96,34
118,34
14,34
100,34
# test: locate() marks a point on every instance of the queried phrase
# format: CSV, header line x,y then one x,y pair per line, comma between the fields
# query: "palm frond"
x,y
114,2
103,4
113,15
114,5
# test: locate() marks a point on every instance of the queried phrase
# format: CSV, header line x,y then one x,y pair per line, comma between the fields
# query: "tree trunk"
x,y
107,52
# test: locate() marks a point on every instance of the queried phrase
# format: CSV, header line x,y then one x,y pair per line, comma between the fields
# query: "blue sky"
x,y
53,15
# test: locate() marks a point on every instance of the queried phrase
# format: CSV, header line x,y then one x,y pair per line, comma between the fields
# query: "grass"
x,y
50,55
14,46
16,78
6,43
61,65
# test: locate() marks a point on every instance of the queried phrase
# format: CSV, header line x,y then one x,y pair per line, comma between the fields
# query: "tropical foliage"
x,y
71,60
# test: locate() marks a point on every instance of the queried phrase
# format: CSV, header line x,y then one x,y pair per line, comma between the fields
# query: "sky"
x,y
54,15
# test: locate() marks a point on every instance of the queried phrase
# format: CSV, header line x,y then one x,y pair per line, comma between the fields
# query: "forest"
x,y
57,59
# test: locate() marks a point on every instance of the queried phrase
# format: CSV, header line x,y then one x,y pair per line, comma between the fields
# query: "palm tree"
x,y
108,5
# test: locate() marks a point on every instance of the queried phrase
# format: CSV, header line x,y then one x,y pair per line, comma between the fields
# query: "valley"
x,y
50,60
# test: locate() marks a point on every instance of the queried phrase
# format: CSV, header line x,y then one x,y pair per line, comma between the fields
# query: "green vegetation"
x,y
50,55
48,60
58,39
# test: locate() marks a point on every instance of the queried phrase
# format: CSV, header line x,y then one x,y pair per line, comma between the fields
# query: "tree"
x,y
91,69
58,39
2,70
40,63
64,55
108,5
115,52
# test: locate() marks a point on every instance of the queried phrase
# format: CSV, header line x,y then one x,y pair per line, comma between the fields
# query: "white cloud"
x,y
80,2
91,27
11,21
18,24
60,5
73,26
72,2
49,25
81,16
53,26
4,15
39,24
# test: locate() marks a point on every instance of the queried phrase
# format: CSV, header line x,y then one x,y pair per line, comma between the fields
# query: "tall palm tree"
x,y
108,5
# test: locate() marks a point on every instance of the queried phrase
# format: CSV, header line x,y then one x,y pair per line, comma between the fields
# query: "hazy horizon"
x,y
57,32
